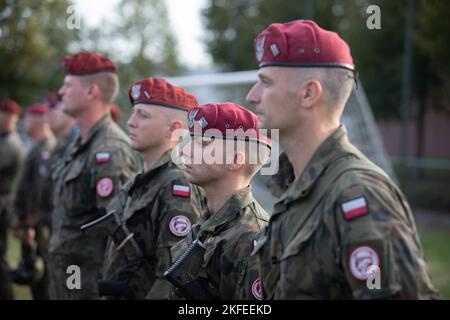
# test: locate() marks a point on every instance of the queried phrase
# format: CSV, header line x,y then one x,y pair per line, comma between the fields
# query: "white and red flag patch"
x,y
355,208
180,190
102,157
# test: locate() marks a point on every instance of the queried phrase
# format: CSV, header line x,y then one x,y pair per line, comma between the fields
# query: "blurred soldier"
x,y
159,205
98,163
12,153
33,208
116,114
64,128
226,231
62,125
341,229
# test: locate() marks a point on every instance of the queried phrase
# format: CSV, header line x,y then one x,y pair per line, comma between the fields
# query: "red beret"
x,y
301,43
224,117
52,99
162,93
38,109
84,63
10,106
116,113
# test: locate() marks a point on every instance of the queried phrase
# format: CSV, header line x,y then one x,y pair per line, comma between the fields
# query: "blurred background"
x,y
399,115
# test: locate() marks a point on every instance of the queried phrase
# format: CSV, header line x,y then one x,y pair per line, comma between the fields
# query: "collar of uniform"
x,y
80,144
144,177
331,149
228,212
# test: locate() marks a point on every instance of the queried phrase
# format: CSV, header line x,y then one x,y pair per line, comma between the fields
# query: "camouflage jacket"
x,y
29,197
159,208
84,181
228,237
357,241
12,153
46,193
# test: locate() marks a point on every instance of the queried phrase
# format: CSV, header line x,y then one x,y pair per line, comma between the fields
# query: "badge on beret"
x,y
136,91
260,48
257,289
180,226
355,208
102,157
191,117
361,259
105,187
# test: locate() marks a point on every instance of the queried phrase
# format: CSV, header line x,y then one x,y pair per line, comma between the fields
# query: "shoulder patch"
x,y
361,262
180,225
257,289
105,187
354,208
102,157
181,190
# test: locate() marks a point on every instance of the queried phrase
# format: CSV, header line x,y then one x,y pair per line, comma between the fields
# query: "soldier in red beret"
x,y
225,151
33,209
12,153
158,206
341,229
116,113
88,176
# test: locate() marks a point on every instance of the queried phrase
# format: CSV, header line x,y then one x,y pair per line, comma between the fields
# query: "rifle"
x,y
184,274
110,224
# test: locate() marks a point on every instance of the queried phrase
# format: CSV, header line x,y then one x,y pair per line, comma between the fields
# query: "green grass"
x,y
20,292
435,243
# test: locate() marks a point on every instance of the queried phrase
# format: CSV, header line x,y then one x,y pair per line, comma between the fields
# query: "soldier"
x,y
89,176
116,114
32,207
341,229
12,153
62,125
226,231
159,205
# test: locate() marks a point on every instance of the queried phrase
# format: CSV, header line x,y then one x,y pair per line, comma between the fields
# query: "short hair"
x,y
172,114
256,155
108,82
337,84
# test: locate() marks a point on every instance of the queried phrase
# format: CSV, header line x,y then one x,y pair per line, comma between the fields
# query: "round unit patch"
x,y
180,226
105,187
257,289
361,259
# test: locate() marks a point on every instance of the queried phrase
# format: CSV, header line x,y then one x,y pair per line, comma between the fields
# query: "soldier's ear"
x,y
94,92
174,126
309,93
238,161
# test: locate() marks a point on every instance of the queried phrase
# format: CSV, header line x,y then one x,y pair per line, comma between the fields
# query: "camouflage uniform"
x,y
86,180
12,153
320,247
37,202
150,207
228,237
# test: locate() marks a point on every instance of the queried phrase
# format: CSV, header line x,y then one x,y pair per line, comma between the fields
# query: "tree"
x,y
139,40
33,38
378,54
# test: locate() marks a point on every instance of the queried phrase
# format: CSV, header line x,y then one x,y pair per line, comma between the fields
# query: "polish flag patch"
x,y
102,157
355,208
180,190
